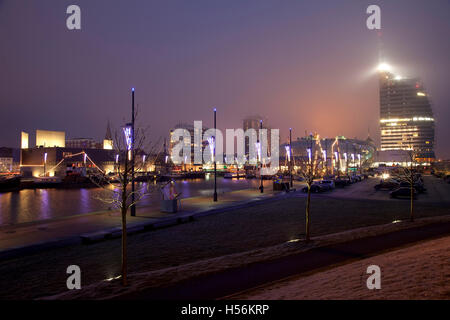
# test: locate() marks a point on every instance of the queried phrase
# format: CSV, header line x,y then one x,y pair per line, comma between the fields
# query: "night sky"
x,y
308,65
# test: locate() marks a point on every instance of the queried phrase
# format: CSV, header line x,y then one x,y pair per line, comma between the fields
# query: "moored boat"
x,y
234,175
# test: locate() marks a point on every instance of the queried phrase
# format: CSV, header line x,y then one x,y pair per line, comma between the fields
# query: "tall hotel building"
x,y
406,118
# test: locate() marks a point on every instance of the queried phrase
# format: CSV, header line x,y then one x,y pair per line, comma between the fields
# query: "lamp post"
x,y
214,155
326,156
290,157
261,186
346,159
310,151
133,206
359,159
45,161
346,163
337,163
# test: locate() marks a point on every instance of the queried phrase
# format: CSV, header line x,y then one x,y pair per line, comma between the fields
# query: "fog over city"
x,y
306,65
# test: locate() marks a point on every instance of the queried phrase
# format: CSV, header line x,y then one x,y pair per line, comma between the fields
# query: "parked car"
x,y
327,184
403,192
342,182
418,186
386,185
315,188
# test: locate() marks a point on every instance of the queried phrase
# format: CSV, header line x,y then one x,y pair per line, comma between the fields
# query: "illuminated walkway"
x,y
29,237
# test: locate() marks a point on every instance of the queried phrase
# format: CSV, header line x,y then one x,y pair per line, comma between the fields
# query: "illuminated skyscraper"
x,y
406,117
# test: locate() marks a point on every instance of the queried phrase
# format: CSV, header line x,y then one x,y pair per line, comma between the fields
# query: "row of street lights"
x,y
215,197
131,147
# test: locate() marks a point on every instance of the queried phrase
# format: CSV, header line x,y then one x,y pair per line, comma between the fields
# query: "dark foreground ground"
x,y
223,285
240,230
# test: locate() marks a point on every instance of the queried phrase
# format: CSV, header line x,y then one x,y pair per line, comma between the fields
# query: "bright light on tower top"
x,y
132,89
384,67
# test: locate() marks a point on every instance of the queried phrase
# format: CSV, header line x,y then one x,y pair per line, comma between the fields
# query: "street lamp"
x,y
45,161
346,162
261,186
325,156
359,159
144,169
133,206
290,157
214,155
337,162
127,131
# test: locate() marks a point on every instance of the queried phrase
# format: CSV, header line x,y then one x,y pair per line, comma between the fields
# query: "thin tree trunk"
x,y
308,200
124,247
124,210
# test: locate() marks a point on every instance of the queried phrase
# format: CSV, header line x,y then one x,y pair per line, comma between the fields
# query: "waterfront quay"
x,y
215,231
91,227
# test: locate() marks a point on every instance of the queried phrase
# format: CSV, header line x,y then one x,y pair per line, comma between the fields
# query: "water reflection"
x,y
30,205
45,204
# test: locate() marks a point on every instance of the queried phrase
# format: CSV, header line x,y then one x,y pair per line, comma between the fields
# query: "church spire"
x,y
108,135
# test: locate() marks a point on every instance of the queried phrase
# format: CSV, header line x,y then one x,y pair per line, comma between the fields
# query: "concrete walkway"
x,y
30,237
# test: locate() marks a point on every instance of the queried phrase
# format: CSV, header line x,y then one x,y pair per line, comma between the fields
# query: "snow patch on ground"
x,y
421,271
164,277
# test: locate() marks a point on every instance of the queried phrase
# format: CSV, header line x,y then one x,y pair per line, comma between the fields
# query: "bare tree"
x,y
310,167
116,191
408,175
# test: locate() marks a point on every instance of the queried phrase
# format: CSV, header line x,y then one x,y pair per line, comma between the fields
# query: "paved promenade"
x,y
97,226
254,226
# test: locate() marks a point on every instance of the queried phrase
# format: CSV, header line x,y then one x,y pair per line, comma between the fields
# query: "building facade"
x,y
56,161
254,122
6,160
406,117
195,149
83,143
337,155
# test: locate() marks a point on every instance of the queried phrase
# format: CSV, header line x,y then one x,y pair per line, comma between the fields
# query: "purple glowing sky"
x,y
303,64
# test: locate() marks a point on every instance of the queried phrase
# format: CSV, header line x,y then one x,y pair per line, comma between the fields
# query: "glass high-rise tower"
x,y
406,117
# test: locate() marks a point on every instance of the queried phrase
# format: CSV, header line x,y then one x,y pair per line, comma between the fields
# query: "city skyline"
x,y
182,75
